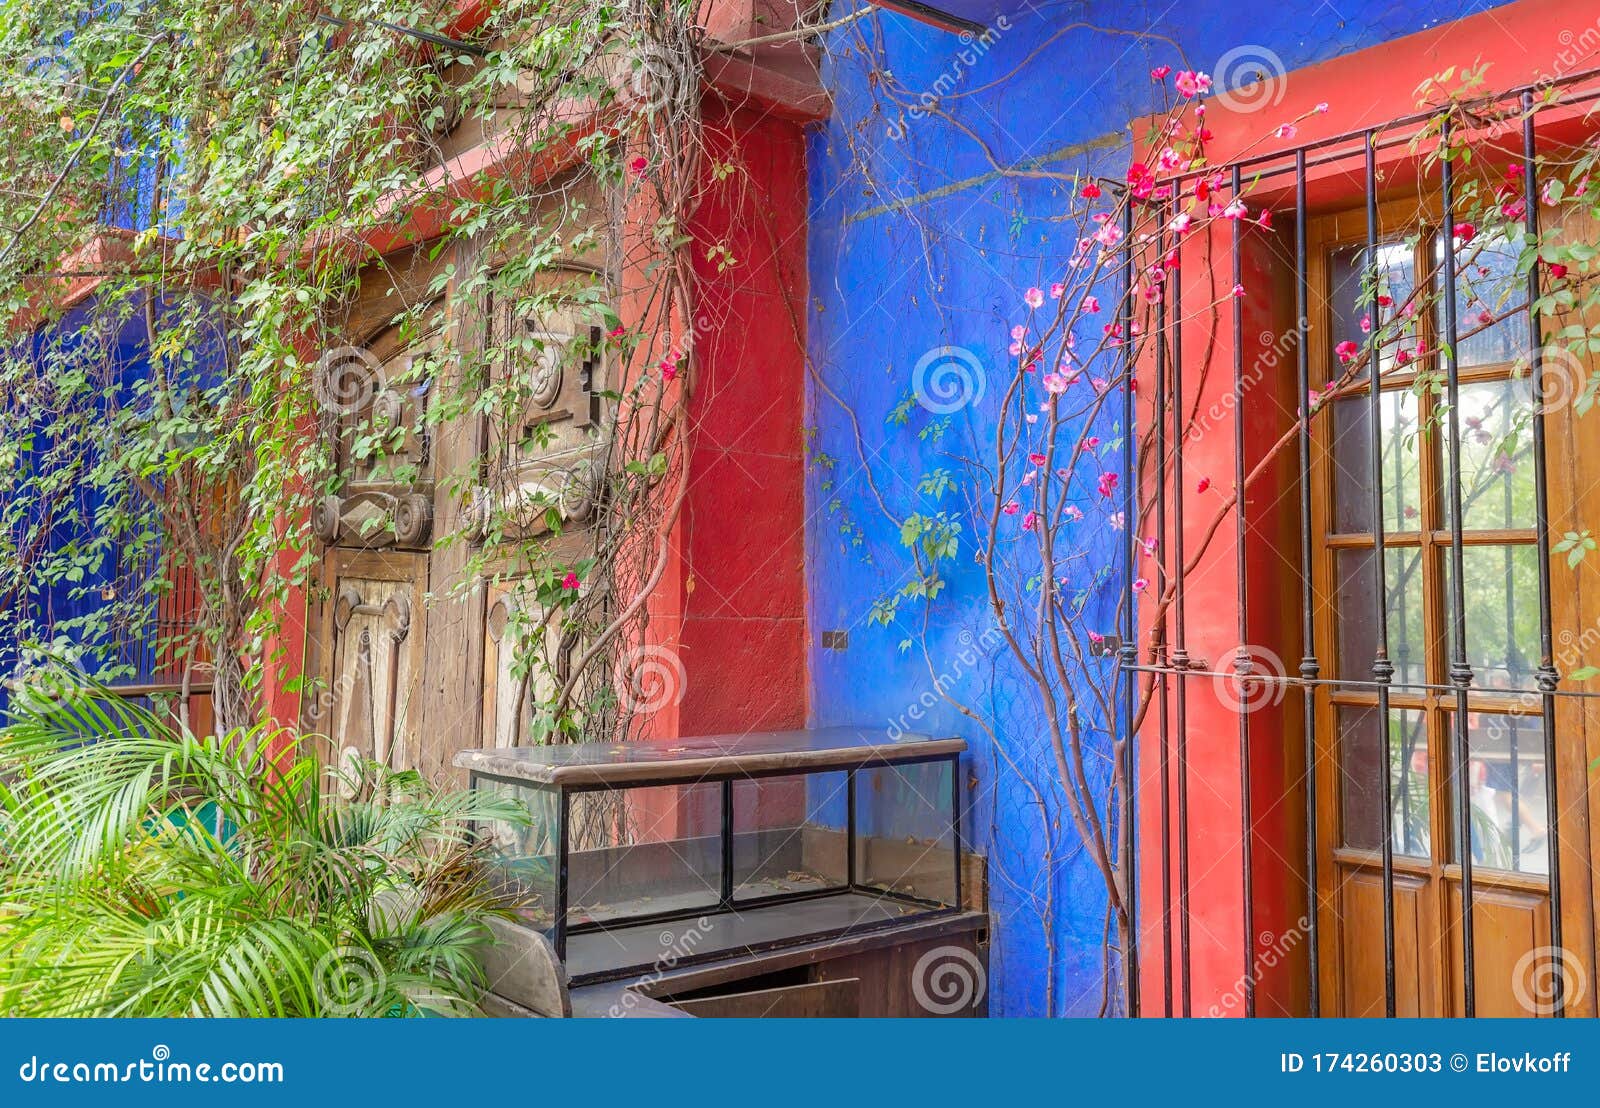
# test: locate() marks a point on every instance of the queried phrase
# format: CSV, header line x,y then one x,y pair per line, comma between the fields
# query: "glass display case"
x,y
639,855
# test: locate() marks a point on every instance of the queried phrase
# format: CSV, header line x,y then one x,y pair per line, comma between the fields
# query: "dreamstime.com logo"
x,y
1249,677
947,379
676,946
652,678
949,979
1535,977
158,1069
347,379
44,676
1563,378
1251,77
348,981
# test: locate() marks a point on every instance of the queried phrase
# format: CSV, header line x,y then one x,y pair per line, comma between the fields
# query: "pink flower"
x,y
1089,190
1286,130
1140,584
1055,384
1056,290
1117,520
1366,325
1108,484
617,332
1235,210
639,165
1159,73
1149,547
570,581
1238,292
1072,512
1402,357
1321,108
1034,298
1109,234
1180,223
1265,218
1464,233
1011,508
1029,520
1203,484
1036,459
1557,271
1091,303
1347,351
1091,442
1190,83
1096,638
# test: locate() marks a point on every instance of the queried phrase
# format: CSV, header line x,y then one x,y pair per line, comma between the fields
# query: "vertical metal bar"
x,y
1547,677
727,843
563,871
955,820
1308,660
850,828
1180,654
1460,668
1158,420
1242,660
1128,655
1382,668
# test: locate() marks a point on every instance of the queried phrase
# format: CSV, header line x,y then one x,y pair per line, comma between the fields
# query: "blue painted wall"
x,y
916,244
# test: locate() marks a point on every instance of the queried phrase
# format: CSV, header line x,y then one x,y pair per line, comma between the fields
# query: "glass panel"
x,y
641,851
1496,456
1506,776
1357,585
789,835
1352,464
1487,286
904,843
1502,591
1351,303
1361,786
525,855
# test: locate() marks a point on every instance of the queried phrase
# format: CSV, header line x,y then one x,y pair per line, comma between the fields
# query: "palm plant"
x,y
149,872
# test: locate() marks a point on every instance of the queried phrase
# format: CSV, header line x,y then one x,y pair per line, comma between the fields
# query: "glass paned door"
x,y
1415,747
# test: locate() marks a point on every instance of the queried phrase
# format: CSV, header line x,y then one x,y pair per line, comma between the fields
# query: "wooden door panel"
x,y
1361,945
371,659
1510,927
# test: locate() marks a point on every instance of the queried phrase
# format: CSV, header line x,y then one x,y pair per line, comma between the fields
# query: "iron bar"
x,y
1242,659
1460,668
1309,668
727,843
955,826
1548,679
1382,667
850,827
563,870
1158,420
1128,653
1180,653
